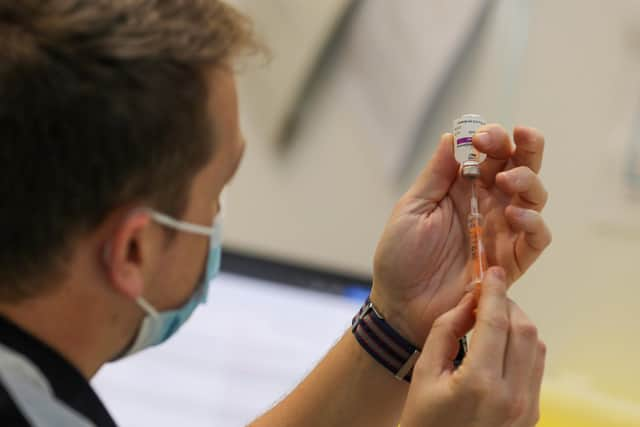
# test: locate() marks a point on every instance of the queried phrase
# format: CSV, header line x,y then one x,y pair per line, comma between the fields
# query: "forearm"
x,y
347,388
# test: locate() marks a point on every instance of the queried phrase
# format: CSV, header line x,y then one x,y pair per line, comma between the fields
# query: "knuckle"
x,y
544,196
528,173
478,387
504,404
441,324
539,366
537,137
545,237
443,327
495,321
496,127
523,176
542,349
515,407
494,286
526,330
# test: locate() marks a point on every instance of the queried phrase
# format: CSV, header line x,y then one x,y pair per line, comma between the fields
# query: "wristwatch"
x,y
388,347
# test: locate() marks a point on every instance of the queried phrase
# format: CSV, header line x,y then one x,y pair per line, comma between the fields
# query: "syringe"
x,y
470,159
474,226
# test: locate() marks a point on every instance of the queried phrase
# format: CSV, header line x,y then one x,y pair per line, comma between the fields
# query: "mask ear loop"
x,y
106,255
147,307
167,221
180,225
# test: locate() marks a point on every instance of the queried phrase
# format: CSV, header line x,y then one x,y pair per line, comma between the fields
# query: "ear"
x,y
127,254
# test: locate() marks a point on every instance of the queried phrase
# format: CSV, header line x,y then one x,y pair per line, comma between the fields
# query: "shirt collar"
x,y
67,382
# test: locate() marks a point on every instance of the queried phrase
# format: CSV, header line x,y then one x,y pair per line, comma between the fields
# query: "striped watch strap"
x,y
386,345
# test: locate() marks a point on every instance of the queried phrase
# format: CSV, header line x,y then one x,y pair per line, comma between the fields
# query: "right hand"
x,y
498,383
421,266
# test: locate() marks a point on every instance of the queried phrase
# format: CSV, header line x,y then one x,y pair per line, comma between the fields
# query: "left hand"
x,y
421,265
498,383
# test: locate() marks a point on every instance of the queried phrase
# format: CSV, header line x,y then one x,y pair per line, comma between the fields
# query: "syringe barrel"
x,y
478,254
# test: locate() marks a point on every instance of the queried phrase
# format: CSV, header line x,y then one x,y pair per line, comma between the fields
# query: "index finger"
x,y
488,346
494,141
529,148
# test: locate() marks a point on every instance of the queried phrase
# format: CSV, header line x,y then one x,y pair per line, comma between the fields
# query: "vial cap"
x,y
471,170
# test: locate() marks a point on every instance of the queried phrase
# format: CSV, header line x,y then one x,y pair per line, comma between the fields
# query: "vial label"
x,y
463,130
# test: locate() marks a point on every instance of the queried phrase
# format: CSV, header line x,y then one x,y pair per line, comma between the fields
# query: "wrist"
x,y
396,315
385,344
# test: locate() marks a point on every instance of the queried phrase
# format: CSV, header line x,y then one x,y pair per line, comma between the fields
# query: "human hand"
x,y
498,383
421,265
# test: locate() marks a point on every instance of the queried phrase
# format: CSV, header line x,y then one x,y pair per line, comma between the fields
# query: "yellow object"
x,y
573,401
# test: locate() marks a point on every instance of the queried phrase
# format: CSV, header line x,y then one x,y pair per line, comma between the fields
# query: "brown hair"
x,y
102,103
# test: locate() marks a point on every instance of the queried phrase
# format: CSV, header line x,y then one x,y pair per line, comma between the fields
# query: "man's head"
x,y
108,107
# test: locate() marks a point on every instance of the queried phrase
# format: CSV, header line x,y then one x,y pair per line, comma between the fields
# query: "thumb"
x,y
442,344
441,172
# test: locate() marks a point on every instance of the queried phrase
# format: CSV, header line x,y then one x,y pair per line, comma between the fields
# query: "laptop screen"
x,y
264,327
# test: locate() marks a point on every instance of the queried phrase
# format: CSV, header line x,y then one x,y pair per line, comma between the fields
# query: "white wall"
x,y
326,201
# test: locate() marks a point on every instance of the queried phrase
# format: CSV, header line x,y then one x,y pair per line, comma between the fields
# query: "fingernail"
x,y
523,213
483,138
519,212
498,273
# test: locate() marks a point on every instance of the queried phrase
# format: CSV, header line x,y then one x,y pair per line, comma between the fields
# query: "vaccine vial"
x,y
466,154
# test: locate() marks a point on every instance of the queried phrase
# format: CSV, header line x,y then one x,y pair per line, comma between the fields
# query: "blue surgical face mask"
x,y
157,327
